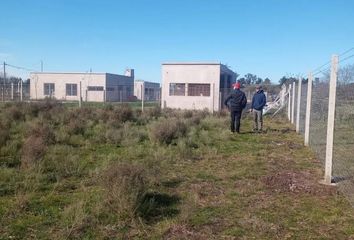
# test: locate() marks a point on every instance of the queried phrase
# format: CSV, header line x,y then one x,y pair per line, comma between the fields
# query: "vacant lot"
x,y
117,173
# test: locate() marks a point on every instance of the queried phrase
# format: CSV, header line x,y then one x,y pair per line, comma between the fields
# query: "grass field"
x,y
116,173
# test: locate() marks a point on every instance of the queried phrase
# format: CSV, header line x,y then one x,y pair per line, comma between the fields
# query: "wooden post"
x,y
293,104
308,110
330,123
298,106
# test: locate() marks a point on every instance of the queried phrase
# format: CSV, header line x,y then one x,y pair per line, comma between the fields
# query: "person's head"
x,y
236,85
258,88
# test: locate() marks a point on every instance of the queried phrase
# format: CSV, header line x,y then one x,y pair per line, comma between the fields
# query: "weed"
x,y
125,186
166,130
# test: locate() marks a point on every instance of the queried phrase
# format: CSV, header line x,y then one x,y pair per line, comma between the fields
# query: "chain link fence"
x,y
332,85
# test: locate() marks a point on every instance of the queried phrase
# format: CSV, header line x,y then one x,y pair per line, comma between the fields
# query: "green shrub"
x,y
39,136
62,161
4,134
125,186
122,113
166,130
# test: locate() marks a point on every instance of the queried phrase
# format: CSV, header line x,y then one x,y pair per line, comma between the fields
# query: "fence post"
x,y
298,105
289,103
330,123
12,91
80,96
21,91
142,96
18,90
293,105
308,109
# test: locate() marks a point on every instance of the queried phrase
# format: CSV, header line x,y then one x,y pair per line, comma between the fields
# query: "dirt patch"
x,y
296,182
208,193
182,232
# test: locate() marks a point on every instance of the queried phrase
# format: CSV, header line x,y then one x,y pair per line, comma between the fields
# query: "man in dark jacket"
x,y
236,102
258,102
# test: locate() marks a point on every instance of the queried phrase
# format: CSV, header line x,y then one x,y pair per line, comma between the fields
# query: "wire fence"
x,y
20,91
330,110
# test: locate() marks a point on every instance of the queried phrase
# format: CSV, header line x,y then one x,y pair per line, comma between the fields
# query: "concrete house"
x,y
195,85
151,90
92,87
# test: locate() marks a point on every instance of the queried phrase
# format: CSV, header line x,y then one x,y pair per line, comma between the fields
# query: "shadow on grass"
x,y
156,206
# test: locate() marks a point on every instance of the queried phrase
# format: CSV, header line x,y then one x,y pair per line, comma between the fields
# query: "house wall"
x,y
111,87
61,79
151,93
119,88
191,73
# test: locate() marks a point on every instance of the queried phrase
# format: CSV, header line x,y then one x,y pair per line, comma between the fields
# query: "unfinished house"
x,y
195,85
150,90
91,87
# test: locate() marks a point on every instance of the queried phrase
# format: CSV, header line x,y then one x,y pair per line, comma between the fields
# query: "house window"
x,y
94,88
49,89
71,89
177,89
198,89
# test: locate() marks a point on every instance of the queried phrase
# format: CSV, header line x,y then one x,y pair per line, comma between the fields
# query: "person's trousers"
x,y
257,120
235,121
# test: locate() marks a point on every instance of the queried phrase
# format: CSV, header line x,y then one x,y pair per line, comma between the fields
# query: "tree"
x,y
250,78
259,81
266,81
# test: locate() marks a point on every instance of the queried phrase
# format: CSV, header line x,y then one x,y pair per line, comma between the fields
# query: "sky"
x,y
269,38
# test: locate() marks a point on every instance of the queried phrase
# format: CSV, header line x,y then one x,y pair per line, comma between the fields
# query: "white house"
x,y
195,85
151,90
92,87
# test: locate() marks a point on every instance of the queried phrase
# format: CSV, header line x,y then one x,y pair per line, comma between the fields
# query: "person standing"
x,y
236,102
258,103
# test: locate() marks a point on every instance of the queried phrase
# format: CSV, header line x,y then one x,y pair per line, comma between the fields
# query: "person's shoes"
x,y
255,130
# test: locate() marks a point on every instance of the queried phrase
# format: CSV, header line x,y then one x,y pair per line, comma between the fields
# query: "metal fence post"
x,y
308,109
298,106
293,104
330,123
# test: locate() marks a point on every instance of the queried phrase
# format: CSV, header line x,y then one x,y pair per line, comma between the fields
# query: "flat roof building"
x,y
92,87
195,85
151,90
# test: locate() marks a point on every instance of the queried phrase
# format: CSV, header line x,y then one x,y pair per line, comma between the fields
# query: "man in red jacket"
x,y
236,102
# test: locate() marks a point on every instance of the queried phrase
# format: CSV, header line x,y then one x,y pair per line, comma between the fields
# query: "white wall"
x,y
151,86
61,79
191,73
105,80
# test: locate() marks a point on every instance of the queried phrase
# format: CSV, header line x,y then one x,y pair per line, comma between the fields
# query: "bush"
x,y
127,135
15,113
4,134
125,186
62,161
38,138
166,130
122,113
